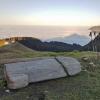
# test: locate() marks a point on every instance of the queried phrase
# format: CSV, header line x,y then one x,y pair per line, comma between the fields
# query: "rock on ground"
x,y
20,74
71,65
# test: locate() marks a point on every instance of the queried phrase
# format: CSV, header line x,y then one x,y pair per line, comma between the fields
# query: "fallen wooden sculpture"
x,y
20,74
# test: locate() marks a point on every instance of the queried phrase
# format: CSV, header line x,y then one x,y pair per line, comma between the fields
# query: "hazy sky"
x,y
50,12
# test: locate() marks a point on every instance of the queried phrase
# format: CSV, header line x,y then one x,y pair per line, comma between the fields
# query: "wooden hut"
x,y
95,29
94,32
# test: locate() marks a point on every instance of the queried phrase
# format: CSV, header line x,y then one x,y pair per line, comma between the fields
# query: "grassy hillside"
x,y
2,42
13,50
18,50
85,86
14,47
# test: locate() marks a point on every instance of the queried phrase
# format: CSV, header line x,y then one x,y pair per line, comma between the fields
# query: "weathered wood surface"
x,y
71,65
20,74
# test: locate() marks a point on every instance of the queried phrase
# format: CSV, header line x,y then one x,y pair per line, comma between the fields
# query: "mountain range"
x,y
39,45
74,38
36,44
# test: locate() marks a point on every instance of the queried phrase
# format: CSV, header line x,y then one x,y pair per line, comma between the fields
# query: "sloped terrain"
x,y
14,47
1,42
13,50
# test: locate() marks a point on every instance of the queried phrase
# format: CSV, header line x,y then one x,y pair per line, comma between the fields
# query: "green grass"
x,y
71,54
17,50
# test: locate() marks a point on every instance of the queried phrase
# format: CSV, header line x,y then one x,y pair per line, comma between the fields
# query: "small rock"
x,y
85,70
92,64
7,91
27,97
71,65
45,91
85,59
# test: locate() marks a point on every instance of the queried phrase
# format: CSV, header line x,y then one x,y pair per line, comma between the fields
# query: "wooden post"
x,y
92,44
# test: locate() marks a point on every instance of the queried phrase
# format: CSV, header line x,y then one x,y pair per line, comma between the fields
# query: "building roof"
x,y
95,29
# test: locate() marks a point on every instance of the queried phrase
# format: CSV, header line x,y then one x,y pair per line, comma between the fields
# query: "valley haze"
x,y
66,34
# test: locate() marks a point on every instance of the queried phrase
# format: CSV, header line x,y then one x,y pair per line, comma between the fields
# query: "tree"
x,y
95,44
92,44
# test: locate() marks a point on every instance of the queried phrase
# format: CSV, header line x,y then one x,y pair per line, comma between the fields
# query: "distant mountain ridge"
x,y
36,44
55,46
74,38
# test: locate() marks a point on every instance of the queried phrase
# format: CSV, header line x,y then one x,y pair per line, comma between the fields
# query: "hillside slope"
x,y
2,42
14,50
15,47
